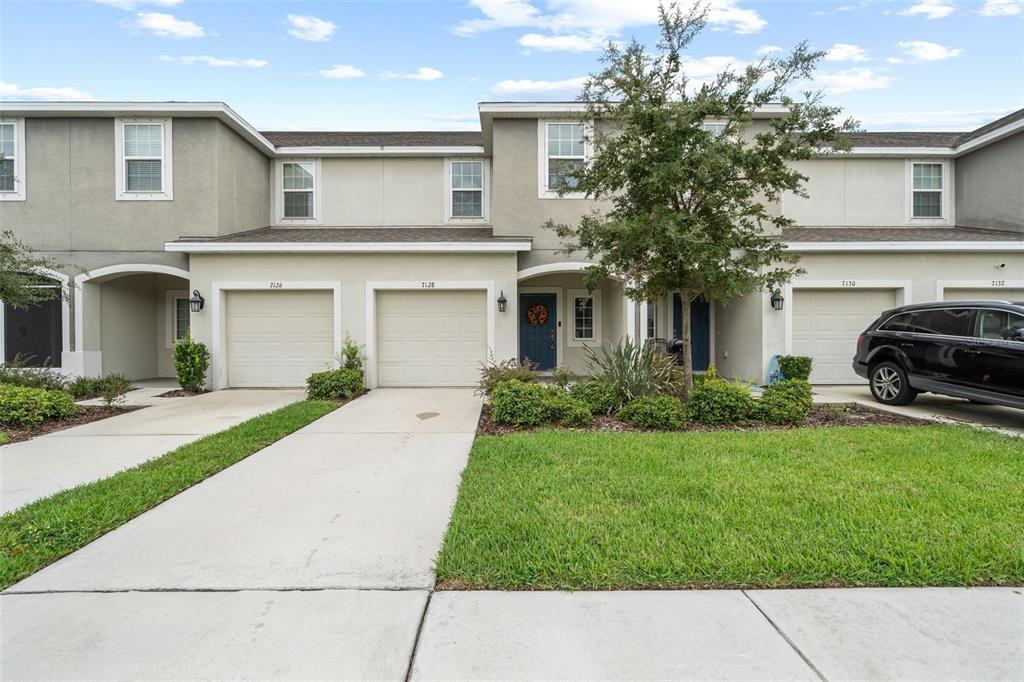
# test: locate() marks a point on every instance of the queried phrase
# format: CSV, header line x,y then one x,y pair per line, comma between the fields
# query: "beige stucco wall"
x,y
127,323
990,186
353,271
399,192
850,193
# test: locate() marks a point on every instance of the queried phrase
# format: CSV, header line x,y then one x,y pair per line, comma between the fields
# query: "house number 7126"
x,y
276,285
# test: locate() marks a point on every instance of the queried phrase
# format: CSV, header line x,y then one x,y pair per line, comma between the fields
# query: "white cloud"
x,y
132,4
452,118
215,61
894,60
13,91
946,120
931,9
424,73
706,68
594,21
766,50
570,43
569,86
166,25
312,29
1002,8
342,71
850,80
845,52
924,51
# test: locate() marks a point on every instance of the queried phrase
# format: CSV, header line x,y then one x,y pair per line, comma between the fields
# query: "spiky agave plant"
x,y
634,369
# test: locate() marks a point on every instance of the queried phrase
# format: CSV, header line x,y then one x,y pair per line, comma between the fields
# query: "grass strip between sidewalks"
x,y
42,532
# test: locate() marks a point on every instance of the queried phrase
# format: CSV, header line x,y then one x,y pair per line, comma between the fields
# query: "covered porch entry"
x,y
662,321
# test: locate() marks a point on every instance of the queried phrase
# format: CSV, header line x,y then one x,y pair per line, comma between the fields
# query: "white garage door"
x,y
278,338
1000,294
826,324
431,338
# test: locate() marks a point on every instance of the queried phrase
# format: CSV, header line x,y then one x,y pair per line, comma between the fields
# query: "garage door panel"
x,y
433,338
826,324
278,338
998,294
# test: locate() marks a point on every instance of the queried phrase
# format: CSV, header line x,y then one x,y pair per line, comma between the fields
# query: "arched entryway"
x,y
127,318
38,335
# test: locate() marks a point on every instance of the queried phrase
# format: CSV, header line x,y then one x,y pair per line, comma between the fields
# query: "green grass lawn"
x,y
3,438
932,505
42,532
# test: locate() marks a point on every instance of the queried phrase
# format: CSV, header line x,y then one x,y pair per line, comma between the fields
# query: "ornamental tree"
x,y
19,283
692,209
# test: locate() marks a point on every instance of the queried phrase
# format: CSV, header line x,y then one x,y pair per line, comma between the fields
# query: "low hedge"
x,y
660,412
720,402
519,403
335,384
22,406
600,396
787,402
796,366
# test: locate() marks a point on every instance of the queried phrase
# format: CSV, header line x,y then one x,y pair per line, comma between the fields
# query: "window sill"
x,y
131,196
12,196
548,194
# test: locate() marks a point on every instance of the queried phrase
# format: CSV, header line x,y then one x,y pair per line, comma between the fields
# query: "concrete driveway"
x,y
64,459
310,559
932,406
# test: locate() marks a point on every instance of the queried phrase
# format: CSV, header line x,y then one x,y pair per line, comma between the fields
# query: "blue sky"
x,y
915,65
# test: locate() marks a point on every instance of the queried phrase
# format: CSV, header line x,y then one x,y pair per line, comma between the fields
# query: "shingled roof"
x,y
421,138
904,139
353,235
896,234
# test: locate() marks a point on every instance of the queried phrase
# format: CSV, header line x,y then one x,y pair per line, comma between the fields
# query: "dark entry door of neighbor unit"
x,y
35,332
700,330
538,324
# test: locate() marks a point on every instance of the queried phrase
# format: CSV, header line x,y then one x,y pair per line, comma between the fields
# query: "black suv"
x,y
965,349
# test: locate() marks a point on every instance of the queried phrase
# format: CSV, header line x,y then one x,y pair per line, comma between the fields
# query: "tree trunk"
x,y
686,298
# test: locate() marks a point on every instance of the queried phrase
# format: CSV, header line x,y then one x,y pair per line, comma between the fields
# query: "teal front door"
x,y
700,330
538,325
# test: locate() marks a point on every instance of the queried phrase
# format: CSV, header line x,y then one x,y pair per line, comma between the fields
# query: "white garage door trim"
x,y
943,284
419,285
902,286
218,335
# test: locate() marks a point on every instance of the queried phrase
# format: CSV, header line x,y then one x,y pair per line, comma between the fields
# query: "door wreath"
x,y
537,314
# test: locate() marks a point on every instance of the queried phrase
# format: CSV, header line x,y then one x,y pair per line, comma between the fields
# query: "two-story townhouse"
x,y
429,247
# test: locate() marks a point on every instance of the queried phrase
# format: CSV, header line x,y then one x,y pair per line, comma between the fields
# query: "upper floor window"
x,y
715,128
466,189
143,159
12,166
299,186
563,155
927,189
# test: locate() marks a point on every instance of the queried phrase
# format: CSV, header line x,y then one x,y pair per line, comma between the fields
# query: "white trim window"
x,y
716,128
928,191
563,152
178,317
12,168
298,195
466,198
652,320
584,316
143,151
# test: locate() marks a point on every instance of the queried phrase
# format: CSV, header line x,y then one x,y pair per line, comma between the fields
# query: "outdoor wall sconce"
x,y
196,302
777,300
502,302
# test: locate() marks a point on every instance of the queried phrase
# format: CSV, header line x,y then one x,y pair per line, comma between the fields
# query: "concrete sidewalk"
x,y
60,460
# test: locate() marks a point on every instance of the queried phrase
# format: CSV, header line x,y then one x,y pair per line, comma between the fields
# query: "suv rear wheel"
x,y
889,384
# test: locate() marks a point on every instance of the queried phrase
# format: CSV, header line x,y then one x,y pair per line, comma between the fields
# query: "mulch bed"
x,y
83,415
181,393
821,415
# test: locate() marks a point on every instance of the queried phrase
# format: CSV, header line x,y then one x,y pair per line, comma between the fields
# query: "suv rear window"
x,y
1000,325
944,321
904,322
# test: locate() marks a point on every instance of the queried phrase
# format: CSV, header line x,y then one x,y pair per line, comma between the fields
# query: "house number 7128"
x,y
427,285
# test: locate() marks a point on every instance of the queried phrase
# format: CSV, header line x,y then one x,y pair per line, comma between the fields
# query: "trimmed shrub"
x,y
598,395
335,384
113,387
787,402
661,412
795,367
16,373
83,388
563,409
493,373
191,361
23,406
520,403
720,402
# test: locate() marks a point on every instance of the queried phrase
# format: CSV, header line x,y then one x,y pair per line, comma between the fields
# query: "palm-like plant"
x,y
634,369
